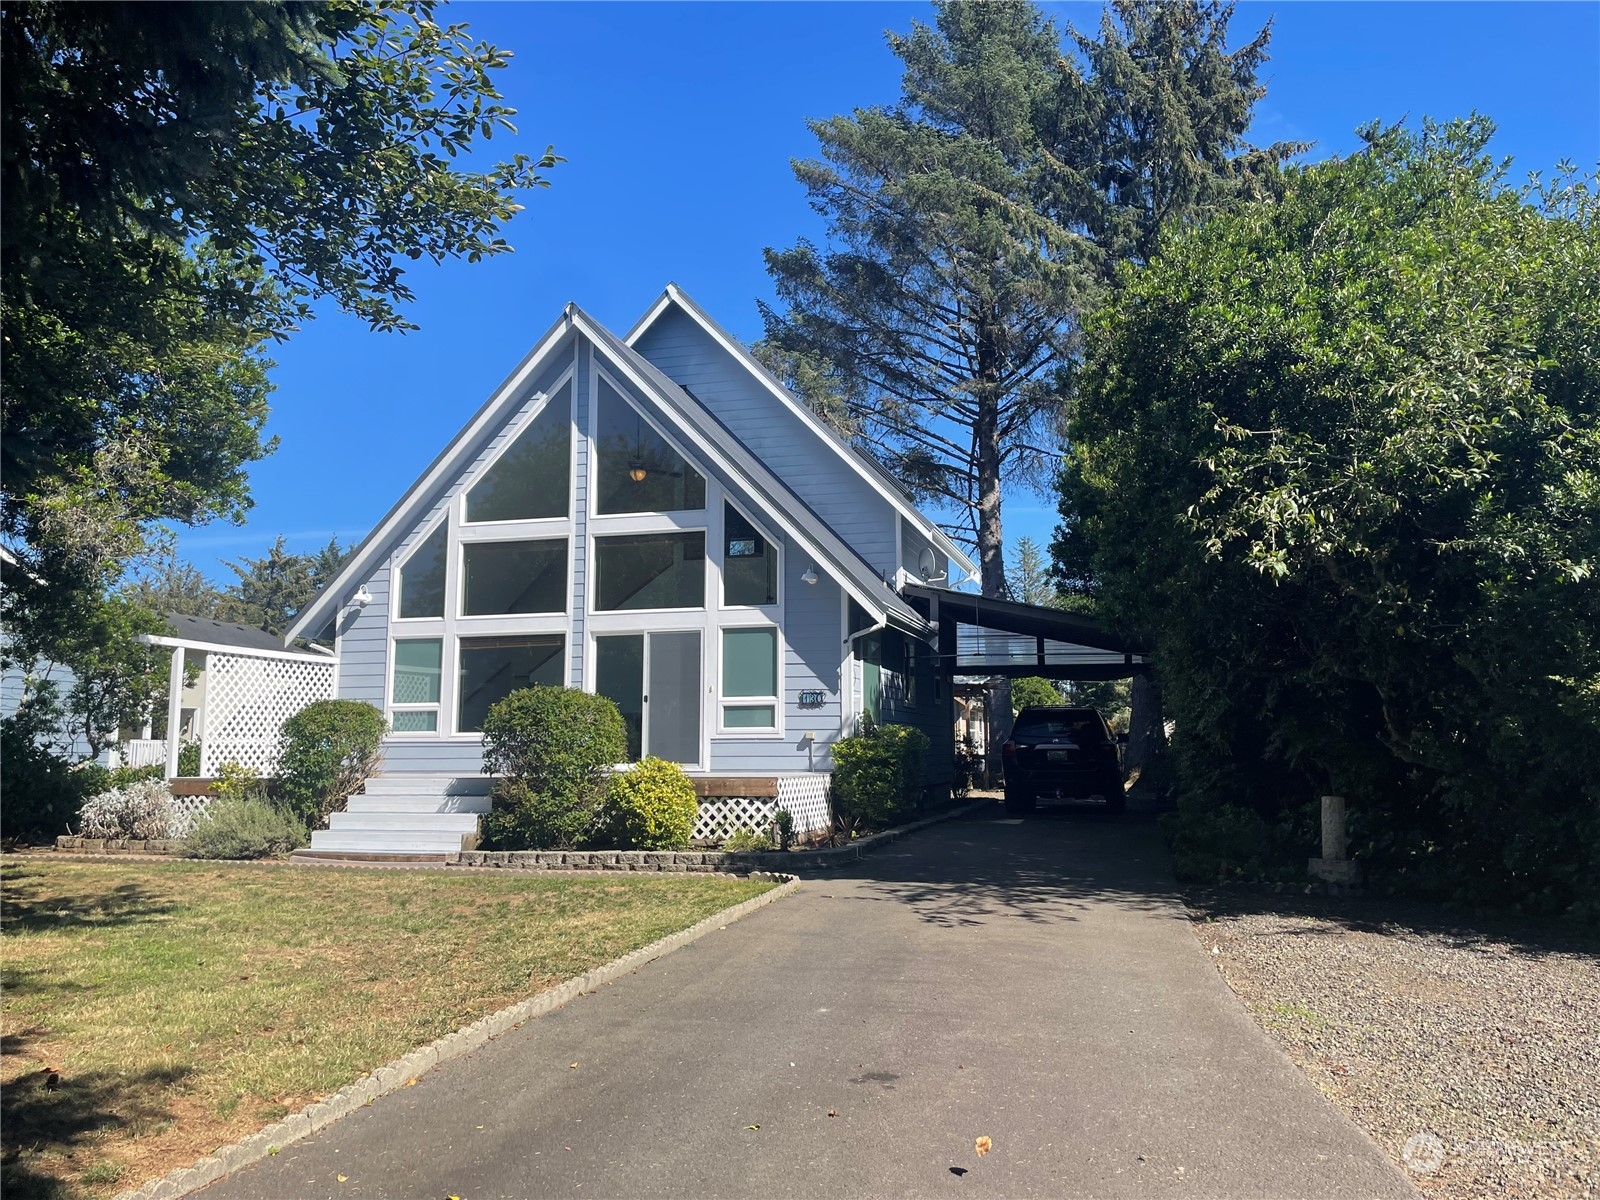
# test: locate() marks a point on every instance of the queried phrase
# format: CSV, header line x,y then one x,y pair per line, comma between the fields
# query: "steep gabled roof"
x,y
695,425
869,468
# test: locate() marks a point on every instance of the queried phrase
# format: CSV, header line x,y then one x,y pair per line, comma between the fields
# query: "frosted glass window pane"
x,y
749,562
422,578
416,671
749,716
658,570
750,662
635,469
493,668
514,577
420,721
533,477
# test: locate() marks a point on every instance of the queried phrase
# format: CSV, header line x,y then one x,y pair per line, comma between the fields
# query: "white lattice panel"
x,y
186,811
248,700
806,798
722,815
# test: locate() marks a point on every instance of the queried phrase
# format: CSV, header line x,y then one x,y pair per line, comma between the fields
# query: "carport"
x,y
990,638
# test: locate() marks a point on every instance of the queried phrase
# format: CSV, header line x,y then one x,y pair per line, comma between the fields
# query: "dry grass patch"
x,y
154,1011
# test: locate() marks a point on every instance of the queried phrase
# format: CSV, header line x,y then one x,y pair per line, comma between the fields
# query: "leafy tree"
x,y
108,679
181,182
1356,498
1032,690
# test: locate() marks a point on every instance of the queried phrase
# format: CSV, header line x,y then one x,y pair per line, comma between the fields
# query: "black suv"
x,y
1066,750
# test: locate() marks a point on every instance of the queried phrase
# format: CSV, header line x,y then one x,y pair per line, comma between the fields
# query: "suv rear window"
x,y
1081,727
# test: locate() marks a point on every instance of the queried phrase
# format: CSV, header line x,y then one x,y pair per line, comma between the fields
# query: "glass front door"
x,y
654,679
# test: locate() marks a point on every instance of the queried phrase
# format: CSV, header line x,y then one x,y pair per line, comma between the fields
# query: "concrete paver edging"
x,y
736,862
395,1075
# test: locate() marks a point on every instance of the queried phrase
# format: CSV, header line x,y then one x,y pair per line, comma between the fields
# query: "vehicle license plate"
x,y
1058,755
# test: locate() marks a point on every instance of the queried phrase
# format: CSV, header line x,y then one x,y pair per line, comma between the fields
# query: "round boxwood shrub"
x,y
554,749
327,752
652,806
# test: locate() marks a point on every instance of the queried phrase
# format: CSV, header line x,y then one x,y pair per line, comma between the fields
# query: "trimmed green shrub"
x,y
327,752
877,775
554,749
243,827
188,759
651,807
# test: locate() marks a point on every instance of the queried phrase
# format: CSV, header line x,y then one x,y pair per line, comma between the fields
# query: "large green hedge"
x,y
878,774
1354,501
553,749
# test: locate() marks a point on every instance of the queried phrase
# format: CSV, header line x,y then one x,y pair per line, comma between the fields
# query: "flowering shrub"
x,y
142,809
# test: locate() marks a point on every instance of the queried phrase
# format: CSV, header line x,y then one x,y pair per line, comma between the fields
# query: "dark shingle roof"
x,y
222,633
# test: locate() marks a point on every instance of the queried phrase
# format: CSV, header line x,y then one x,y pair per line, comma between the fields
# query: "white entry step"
x,y
407,815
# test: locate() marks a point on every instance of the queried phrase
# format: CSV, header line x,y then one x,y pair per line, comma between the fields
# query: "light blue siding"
x,y
913,544
364,643
813,658
789,444
364,633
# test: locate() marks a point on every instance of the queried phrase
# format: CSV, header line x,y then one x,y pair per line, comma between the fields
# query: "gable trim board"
x,y
366,555
696,426
870,470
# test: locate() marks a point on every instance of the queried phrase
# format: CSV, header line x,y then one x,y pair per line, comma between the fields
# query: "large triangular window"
x,y
636,471
533,478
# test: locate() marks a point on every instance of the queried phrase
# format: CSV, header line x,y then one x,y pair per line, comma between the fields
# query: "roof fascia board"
x,y
365,554
768,489
674,294
176,643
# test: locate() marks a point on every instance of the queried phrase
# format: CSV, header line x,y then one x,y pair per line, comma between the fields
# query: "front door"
x,y
654,679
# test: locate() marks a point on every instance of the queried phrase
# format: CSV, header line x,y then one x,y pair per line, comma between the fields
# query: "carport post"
x,y
1333,830
174,710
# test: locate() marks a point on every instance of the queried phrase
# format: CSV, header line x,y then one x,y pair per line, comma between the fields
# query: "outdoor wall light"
x,y
810,576
362,598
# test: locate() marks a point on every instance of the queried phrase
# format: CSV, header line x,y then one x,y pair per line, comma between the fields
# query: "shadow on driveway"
x,y
1047,867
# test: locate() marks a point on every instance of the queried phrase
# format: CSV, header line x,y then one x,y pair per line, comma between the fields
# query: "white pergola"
x,y
252,686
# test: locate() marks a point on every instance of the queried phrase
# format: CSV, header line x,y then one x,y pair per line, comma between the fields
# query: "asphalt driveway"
x,y
1034,982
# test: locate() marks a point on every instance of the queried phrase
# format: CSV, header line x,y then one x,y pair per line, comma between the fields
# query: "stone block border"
x,y
724,862
83,845
395,1075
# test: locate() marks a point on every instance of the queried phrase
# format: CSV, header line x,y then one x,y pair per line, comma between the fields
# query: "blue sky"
x,y
678,122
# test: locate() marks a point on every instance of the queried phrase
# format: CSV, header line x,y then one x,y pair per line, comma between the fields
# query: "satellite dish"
x,y
926,562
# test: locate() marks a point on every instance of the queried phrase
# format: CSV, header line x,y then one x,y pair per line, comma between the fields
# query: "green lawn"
x,y
154,1011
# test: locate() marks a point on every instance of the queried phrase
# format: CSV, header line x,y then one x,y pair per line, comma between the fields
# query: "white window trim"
x,y
747,732
391,706
530,412
452,627
775,609
596,374
481,621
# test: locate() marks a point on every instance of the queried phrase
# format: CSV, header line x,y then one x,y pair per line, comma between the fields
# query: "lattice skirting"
x,y
186,811
805,797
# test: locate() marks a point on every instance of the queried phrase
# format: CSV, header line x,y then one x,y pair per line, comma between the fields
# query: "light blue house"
x,y
656,519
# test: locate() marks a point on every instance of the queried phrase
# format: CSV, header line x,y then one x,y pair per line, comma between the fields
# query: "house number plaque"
x,y
811,699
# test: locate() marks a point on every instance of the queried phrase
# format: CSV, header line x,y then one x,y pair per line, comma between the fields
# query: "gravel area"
x,y
1471,1055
